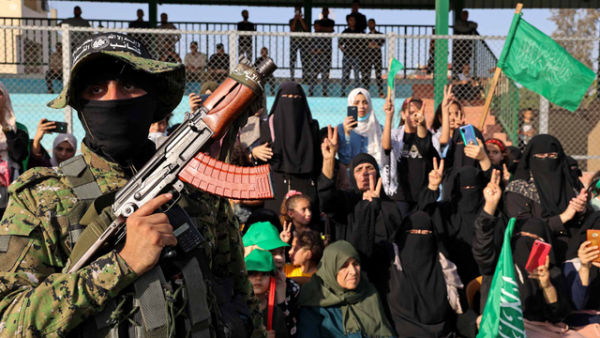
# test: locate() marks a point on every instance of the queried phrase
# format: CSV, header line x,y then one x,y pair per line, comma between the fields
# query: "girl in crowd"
x,y
496,151
305,254
290,144
296,211
265,236
261,270
447,118
420,296
410,152
543,187
362,136
339,301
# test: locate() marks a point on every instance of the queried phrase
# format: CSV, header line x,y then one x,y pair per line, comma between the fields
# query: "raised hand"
x,y
420,115
349,124
587,253
476,151
388,107
262,152
436,175
374,190
579,202
329,147
505,174
542,274
448,98
194,101
286,233
492,193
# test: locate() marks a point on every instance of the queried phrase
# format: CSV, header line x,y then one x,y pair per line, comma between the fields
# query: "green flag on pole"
x,y
502,315
395,67
537,62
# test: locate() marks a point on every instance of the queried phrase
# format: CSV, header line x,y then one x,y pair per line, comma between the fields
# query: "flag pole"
x,y
490,95
389,90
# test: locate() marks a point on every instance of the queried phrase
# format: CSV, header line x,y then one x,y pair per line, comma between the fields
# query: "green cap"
x,y
264,235
259,260
169,77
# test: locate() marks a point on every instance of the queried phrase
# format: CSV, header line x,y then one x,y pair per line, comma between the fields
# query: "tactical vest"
x,y
172,299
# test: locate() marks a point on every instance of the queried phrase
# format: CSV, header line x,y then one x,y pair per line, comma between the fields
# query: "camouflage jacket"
x,y
38,299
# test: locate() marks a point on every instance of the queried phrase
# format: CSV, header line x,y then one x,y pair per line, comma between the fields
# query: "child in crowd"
x,y
296,211
305,254
261,271
448,117
496,151
527,131
265,236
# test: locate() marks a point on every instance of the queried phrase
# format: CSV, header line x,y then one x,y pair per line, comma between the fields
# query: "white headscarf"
x,y
371,129
60,138
7,120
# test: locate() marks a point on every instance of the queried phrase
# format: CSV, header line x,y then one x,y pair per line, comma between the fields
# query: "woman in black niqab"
x,y
294,138
417,298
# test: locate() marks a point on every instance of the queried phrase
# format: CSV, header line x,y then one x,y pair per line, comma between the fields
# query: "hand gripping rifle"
x,y
180,158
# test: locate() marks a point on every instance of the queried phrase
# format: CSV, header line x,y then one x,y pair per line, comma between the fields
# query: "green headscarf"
x,y
362,310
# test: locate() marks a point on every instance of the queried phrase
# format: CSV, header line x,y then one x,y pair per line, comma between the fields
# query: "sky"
x,y
491,22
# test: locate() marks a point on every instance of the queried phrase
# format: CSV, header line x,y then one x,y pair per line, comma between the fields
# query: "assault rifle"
x,y
181,159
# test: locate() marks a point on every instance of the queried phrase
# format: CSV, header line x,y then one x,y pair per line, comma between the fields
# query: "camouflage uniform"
x,y
38,299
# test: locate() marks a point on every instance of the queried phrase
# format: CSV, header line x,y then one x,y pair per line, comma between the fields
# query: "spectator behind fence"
x,y
544,187
339,301
298,25
462,50
63,147
361,20
139,22
77,21
157,132
372,58
320,53
165,43
364,135
245,42
417,284
55,67
13,146
409,153
352,50
265,236
261,270
527,130
270,80
218,65
195,64
290,144
467,87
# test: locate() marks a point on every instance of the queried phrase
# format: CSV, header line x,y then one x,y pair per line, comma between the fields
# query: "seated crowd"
x,y
381,230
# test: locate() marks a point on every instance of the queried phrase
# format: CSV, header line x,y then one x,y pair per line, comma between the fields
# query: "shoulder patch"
x,y
33,176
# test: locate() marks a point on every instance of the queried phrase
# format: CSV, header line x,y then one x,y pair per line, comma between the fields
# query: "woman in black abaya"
x,y
544,187
294,139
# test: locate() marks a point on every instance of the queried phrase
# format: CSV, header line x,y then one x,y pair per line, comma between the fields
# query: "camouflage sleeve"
x,y
230,259
36,299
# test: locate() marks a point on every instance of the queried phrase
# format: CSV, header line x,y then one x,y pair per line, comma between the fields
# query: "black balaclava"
x,y
553,180
118,129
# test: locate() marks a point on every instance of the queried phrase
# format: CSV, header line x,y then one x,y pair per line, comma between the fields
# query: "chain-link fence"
x,y
34,65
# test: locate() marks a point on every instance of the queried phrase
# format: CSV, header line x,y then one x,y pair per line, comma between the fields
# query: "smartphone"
x,y
59,127
468,134
353,111
537,256
594,237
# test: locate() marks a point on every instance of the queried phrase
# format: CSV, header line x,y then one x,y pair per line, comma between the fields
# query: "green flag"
x,y
537,62
395,67
502,315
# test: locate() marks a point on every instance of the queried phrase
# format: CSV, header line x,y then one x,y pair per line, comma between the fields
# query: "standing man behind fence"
x,y
361,19
351,47
77,21
245,42
297,25
462,49
372,58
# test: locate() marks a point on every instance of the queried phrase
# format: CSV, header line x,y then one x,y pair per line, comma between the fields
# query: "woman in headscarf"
x,y
412,281
292,137
64,147
362,135
364,215
542,291
409,151
339,301
544,187
455,218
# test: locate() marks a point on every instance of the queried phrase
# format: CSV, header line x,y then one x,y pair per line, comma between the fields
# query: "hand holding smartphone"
x,y
537,255
468,134
594,237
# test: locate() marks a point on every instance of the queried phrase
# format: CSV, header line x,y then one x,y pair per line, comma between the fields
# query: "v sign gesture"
x,y
436,175
374,190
